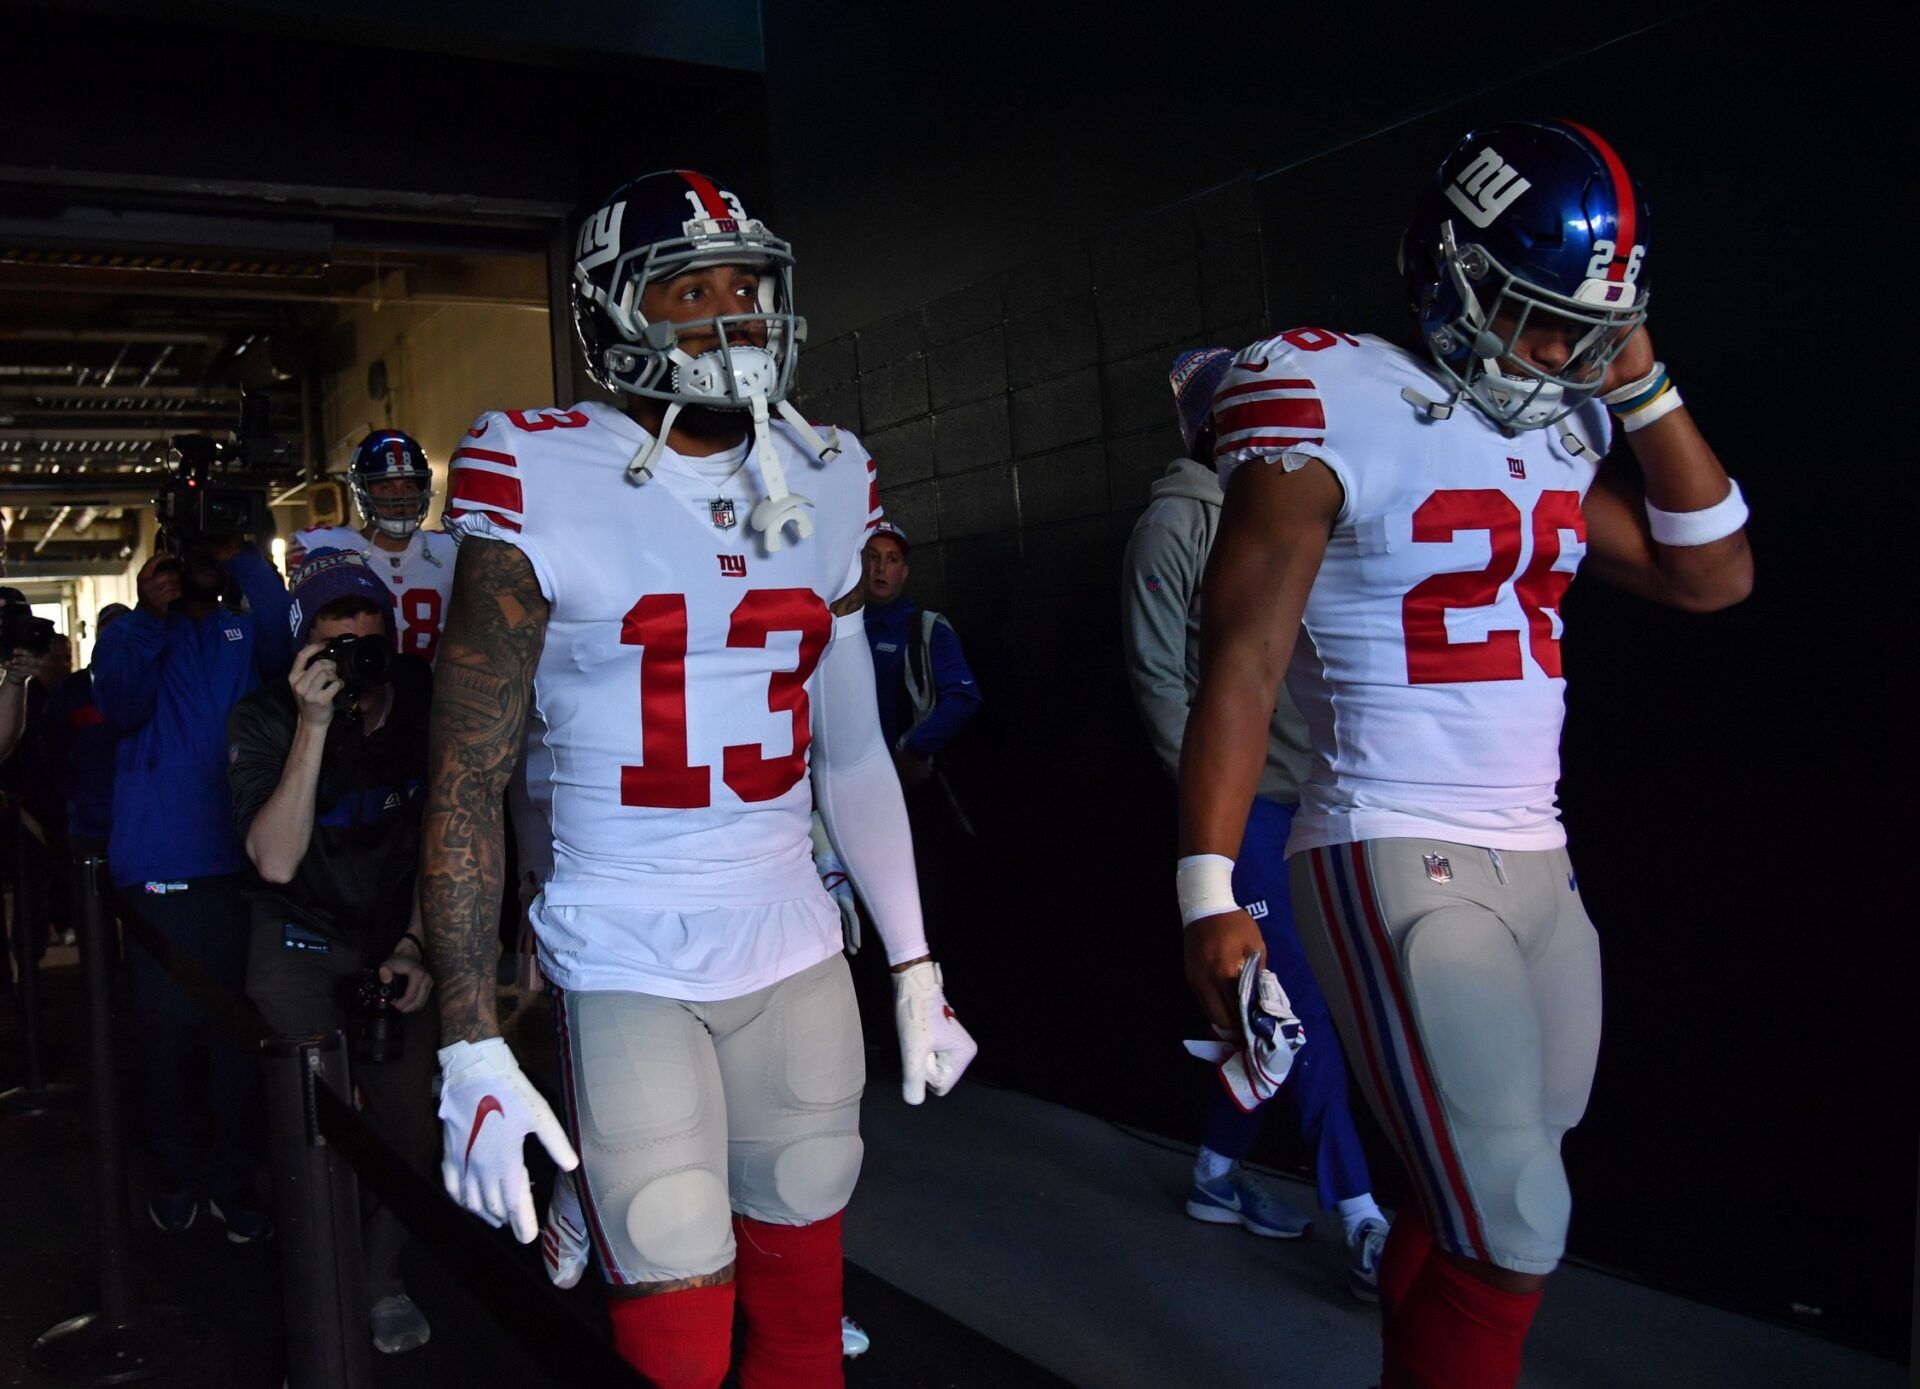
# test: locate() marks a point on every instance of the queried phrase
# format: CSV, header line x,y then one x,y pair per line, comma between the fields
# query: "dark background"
x,y
1008,223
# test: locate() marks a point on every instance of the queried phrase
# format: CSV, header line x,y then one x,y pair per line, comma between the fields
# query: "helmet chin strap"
x,y
780,507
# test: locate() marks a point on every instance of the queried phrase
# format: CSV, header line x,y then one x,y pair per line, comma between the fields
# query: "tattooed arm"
x,y
481,685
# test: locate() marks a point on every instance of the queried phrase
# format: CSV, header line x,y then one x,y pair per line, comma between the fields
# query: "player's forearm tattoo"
x,y
495,622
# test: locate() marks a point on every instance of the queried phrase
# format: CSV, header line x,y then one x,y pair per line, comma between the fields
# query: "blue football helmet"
x,y
662,225
1527,222
387,455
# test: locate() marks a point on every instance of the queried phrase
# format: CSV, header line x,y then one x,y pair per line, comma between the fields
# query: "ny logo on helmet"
x,y
599,238
1486,188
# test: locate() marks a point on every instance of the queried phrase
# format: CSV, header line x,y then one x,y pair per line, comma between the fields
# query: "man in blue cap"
x,y
1160,596
328,772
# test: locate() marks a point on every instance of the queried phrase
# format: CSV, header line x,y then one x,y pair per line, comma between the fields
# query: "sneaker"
x,y
563,1242
1238,1198
398,1325
853,1340
173,1211
1363,1260
246,1221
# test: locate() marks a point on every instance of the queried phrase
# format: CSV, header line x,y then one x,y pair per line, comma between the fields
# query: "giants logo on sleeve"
x,y
1486,188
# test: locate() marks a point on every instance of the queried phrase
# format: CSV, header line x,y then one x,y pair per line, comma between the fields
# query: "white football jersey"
x,y
421,575
671,694
1428,665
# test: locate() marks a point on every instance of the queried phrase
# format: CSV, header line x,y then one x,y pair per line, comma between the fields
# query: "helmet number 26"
x,y
1603,254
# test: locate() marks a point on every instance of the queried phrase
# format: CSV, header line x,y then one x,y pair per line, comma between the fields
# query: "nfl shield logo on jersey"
x,y
1438,868
721,510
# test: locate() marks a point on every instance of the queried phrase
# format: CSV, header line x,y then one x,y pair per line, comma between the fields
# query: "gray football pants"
x,y
1466,986
686,1113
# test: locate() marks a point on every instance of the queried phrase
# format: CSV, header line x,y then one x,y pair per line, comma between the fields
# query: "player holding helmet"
x,y
393,490
653,594
1402,563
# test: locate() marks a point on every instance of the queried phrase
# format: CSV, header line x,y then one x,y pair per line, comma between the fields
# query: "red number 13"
x,y
658,625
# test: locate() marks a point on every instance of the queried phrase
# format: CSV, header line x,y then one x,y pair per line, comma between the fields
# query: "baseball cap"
x,y
887,528
1195,376
327,574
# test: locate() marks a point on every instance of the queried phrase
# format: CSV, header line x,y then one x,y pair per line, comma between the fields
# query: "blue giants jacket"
x,y
167,685
955,696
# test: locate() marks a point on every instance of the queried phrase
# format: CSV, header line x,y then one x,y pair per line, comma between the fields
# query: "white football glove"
x,y
487,1109
833,877
1254,1062
563,1243
935,1049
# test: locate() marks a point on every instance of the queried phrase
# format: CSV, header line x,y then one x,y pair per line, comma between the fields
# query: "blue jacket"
x,y
167,685
889,633
78,744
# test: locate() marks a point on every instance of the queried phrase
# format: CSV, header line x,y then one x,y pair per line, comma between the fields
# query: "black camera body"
x,y
20,630
360,662
374,1025
215,490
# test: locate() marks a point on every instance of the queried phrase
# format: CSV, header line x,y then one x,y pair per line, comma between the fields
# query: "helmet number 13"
x,y
657,624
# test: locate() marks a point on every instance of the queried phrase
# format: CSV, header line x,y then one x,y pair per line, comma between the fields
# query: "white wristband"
x,y
1663,405
1204,885
1683,528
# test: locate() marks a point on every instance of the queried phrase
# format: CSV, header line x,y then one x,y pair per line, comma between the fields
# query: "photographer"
x,y
327,769
165,678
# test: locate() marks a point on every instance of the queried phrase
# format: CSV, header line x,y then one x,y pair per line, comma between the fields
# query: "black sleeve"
x,y
259,737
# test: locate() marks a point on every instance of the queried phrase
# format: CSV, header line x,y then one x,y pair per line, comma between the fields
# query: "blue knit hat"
x,y
1195,376
327,574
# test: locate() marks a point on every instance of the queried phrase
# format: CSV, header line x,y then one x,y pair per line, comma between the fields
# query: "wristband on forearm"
x,y
1204,885
1639,403
1685,528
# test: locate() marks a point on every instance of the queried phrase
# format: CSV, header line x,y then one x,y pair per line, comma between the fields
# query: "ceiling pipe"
x,y
52,526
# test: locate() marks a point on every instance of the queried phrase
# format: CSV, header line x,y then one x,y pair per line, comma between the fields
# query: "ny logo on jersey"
x,y
600,238
1257,910
1486,188
1517,467
732,566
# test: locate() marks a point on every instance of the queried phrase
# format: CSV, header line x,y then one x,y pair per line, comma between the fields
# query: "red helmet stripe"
x,y
708,194
1622,196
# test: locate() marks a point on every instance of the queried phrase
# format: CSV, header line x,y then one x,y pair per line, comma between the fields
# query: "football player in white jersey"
x,y
1397,534
393,490
661,597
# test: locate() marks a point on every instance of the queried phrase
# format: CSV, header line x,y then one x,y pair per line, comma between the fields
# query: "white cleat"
x,y
1363,1260
563,1242
853,1341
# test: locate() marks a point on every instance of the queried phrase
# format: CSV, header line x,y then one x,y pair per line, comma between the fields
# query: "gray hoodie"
x,y
1160,623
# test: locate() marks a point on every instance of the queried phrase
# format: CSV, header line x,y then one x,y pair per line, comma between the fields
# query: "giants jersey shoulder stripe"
x,y
1428,665
420,578
670,715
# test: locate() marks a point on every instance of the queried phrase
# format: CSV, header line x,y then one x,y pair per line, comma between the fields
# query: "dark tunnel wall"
x,y
1730,780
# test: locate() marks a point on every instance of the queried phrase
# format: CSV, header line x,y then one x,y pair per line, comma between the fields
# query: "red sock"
x,y
1408,1244
679,1340
1453,1331
789,1278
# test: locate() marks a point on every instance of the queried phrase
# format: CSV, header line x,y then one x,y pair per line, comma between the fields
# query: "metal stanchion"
x,y
118,1343
317,1203
35,1094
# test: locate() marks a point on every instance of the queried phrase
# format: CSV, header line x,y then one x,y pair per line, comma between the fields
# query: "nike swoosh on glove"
x,y
487,1109
1254,1064
935,1049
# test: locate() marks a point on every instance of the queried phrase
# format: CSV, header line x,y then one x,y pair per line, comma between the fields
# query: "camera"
x,y
360,662
373,1023
214,489
20,630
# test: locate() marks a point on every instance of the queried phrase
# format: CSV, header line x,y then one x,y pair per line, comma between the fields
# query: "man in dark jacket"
x,y
925,689
166,678
79,744
328,770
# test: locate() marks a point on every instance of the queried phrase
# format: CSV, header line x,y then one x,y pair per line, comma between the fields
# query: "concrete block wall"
x,y
1017,424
